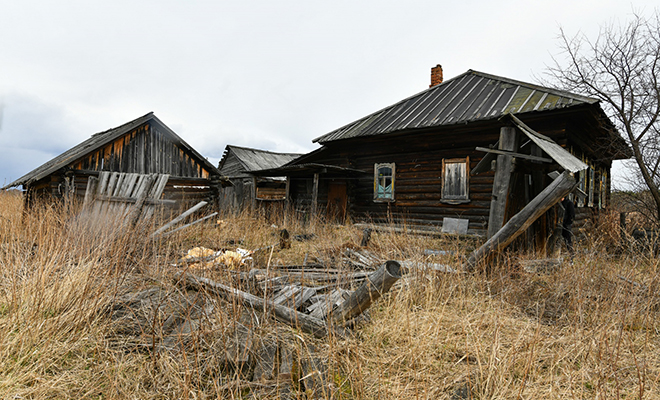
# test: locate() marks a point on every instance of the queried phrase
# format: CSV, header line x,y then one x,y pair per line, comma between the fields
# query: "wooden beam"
x,y
502,181
179,218
514,154
315,194
377,284
550,196
287,315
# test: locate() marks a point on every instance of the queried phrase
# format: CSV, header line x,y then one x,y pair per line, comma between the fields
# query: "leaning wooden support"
x,y
377,284
315,326
179,218
550,196
195,222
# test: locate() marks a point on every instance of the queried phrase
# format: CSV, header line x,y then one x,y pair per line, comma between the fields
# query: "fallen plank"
x,y
190,224
180,218
291,317
550,196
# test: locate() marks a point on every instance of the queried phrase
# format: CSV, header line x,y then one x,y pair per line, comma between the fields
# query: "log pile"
x,y
249,325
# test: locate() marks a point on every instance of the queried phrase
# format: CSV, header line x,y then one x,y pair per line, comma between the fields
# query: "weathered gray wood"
x,y
502,180
366,237
287,315
90,191
315,194
377,284
136,211
180,218
514,154
550,196
327,303
190,224
457,226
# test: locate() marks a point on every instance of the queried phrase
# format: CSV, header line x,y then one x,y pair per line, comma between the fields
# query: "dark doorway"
x,y
337,201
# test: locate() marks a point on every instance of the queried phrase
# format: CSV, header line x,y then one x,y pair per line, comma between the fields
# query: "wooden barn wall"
x,y
146,149
233,168
185,191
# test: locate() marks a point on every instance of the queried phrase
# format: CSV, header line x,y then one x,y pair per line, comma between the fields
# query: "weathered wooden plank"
x,y
180,218
306,323
502,181
550,196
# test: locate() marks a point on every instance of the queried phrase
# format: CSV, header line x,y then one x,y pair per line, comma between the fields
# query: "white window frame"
x,y
386,196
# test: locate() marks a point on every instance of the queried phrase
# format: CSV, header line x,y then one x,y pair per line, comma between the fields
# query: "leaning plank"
x,y
190,224
550,196
373,288
180,217
291,317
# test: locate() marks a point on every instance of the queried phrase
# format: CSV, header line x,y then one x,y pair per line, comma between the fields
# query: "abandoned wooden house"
x,y
464,155
142,146
249,190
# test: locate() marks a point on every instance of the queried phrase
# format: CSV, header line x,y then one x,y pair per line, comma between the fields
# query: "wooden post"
x,y
377,284
561,187
502,181
315,195
254,193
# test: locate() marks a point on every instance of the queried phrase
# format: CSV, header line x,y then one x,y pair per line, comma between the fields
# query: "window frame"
x,y
381,198
455,199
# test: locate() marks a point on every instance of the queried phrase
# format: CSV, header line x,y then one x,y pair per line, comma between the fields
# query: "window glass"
x,y
384,182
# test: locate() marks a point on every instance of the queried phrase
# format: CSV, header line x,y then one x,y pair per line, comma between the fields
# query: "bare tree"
x,y
622,69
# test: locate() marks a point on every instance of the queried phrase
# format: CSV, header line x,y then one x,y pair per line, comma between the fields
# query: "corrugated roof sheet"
x,y
255,159
568,161
98,140
472,96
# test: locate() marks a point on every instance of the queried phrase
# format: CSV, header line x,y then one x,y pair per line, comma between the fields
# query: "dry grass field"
x,y
587,330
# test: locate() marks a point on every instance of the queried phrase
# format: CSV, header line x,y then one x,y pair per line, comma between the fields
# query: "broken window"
x,y
455,179
582,188
384,182
592,178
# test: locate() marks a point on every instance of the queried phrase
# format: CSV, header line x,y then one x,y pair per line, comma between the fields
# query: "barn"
x,y
238,164
142,146
471,151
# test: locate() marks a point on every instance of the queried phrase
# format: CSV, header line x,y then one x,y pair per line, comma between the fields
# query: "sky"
x,y
267,74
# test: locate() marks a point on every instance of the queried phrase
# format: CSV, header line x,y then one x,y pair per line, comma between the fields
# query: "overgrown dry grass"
x,y
587,330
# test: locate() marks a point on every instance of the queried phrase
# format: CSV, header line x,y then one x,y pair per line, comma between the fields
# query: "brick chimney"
x,y
436,75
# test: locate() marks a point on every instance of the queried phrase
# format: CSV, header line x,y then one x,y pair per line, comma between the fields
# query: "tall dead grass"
x,y
586,330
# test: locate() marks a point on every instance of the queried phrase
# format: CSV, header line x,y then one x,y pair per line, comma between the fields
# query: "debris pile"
x,y
247,326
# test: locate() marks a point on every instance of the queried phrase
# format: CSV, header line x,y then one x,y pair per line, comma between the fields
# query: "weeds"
x,y
586,330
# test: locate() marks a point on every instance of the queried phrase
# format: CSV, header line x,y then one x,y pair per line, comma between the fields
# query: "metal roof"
x,y
255,159
101,139
568,161
472,96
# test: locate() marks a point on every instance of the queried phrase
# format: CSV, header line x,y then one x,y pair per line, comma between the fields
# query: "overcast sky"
x,y
267,74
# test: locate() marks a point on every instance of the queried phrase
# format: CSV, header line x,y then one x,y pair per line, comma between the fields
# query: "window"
x,y
583,188
455,179
603,189
384,182
592,178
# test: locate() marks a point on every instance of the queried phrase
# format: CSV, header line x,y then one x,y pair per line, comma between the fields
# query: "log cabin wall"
x,y
418,158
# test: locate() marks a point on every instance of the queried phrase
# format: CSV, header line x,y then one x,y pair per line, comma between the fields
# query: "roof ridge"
x,y
432,88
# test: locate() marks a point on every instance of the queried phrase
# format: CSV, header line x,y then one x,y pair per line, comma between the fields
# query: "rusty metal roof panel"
x,y
469,97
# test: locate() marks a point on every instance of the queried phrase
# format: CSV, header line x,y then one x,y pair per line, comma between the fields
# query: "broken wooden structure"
x,y
247,189
142,146
475,148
